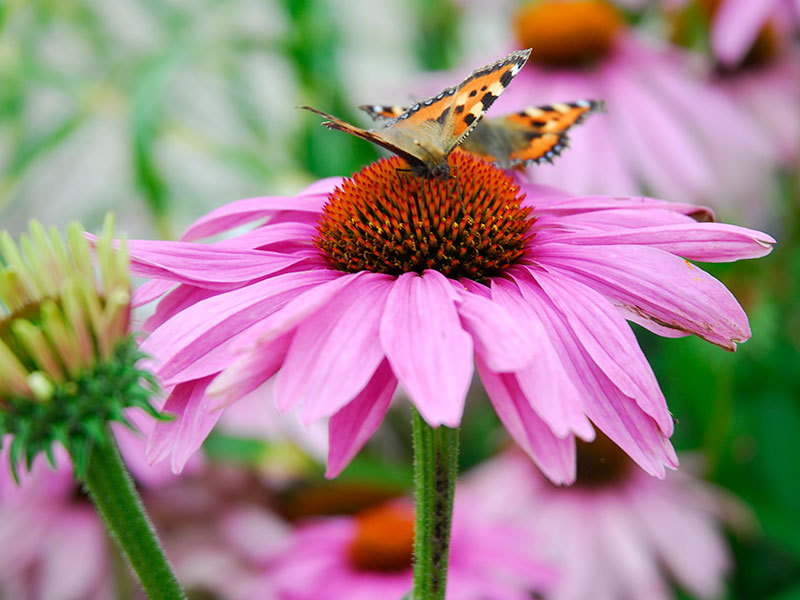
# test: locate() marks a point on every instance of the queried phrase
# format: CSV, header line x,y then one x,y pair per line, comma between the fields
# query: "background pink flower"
x,y
615,533
368,556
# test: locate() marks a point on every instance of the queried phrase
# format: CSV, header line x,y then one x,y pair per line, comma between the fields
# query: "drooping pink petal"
x,y
275,236
183,296
194,418
429,351
205,325
544,382
205,265
736,26
149,291
354,424
555,456
656,285
248,210
335,351
615,414
609,341
497,337
705,242
257,364
563,205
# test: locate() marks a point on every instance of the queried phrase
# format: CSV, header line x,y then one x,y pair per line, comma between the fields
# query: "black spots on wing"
x,y
506,78
484,88
547,108
487,100
469,119
539,122
459,109
473,93
529,135
441,118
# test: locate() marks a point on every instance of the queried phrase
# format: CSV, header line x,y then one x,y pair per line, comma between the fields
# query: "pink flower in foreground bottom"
x,y
368,556
613,532
356,285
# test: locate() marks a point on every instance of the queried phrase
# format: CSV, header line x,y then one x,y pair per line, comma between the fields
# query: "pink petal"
x,y
544,382
660,287
352,426
150,290
194,418
244,211
203,326
335,351
271,235
706,242
77,533
255,366
615,414
564,205
553,455
174,302
498,339
205,265
736,26
429,351
609,341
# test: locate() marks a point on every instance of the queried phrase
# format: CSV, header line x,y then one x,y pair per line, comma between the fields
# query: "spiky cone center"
x,y
383,540
385,219
67,362
571,33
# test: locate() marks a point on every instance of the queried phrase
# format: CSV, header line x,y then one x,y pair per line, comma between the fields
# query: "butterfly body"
x,y
426,133
535,135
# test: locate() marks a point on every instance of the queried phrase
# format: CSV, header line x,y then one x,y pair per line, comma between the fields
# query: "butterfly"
x,y
426,133
535,135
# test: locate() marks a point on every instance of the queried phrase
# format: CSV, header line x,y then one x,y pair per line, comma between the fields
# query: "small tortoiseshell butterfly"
x,y
535,135
426,133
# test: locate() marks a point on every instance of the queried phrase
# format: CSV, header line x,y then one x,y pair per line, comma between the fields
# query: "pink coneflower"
x,y
52,544
666,131
356,285
615,533
368,556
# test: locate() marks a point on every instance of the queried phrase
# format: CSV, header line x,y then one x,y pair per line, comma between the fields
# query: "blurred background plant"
x,y
163,111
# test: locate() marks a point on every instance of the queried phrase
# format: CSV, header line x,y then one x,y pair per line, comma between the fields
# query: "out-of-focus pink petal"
x,y
668,156
736,26
660,287
705,242
194,417
429,351
244,211
609,341
74,557
545,383
205,325
352,426
498,339
335,351
555,456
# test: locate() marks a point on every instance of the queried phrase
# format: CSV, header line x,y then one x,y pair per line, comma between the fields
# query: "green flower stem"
x,y
435,468
111,489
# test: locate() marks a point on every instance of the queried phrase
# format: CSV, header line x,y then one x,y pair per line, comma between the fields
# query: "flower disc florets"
x,y
385,219
67,360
